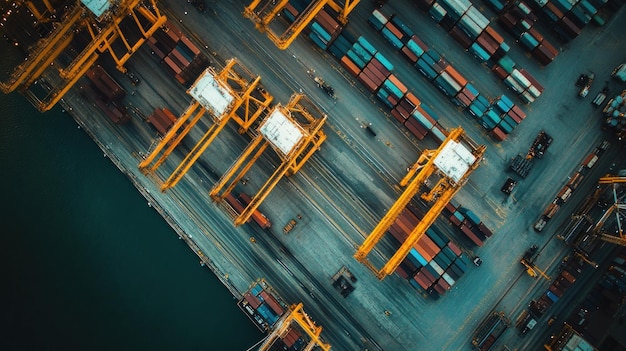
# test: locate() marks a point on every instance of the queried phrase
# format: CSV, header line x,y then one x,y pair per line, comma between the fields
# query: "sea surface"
x,y
85,264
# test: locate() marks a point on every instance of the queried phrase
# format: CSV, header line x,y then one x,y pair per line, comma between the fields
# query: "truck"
x,y
584,82
600,97
521,164
619,72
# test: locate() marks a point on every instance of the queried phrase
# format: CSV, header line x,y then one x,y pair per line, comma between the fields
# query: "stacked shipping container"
x,y
470,28
435,263
162,119
470,225
571,270
374,71
180,57
451,83
519,20
262,305
109,95
323,29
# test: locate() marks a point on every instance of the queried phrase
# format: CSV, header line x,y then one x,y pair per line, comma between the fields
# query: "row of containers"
x,y
568,17
435,263
372,69
567,190
162,119
108,94
571,269
518,80
468,223
179,56
264,307
499,117
519,20
472,30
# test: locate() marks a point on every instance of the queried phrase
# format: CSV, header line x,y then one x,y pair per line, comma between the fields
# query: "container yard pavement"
x,y
348,185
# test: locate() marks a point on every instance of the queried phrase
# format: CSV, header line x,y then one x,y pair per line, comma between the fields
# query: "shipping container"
x,y
350,66
470,235
257,216
377,20
105,84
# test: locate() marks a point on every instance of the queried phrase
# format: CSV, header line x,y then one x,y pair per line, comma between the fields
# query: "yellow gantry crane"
x,y
103,22
294,131
618,205
41,17
296,314
453,162
233,93
263,12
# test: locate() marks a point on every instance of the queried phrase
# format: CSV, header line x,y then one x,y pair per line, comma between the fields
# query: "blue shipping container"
x,y
367,46
395,42
425,69
383,60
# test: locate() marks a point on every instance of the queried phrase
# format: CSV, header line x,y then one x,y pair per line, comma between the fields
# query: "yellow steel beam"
x,y
285,166
43,51
608,179
235,167
343,11
309,326
57,94
302,21
613,239
172,137
426,164
156,20
49,60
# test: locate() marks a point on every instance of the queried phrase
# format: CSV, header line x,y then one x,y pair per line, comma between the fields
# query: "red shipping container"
x,y
463,100
550,7
397,115
535,34
488,39
483,229
428,277
402,273
457,251
422,251
498,134
460,37
409,54
515,117
471,235
419,43
495,35
419,278
417,130
369,84
485,44
499,72
439,289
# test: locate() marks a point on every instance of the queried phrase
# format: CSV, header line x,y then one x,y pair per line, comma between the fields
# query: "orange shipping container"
x,y
350,66
456,76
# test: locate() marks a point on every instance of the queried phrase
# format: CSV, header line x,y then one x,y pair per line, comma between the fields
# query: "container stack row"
x,y
568,189
162,119
570,16
108,95
518,80
470,28
570,272
435,263
374,71
519,20
263,304
499,118
469,224
324,28
179,56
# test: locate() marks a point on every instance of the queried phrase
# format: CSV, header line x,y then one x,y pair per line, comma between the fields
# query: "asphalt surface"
x,y
347,186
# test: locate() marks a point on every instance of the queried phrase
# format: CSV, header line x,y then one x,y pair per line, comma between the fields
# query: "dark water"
x,y
84,262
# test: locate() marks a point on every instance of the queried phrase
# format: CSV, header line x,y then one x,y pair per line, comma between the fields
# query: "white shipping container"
x,y
511,83
534,91
478,17
526,97
380,17
448,279
519,77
